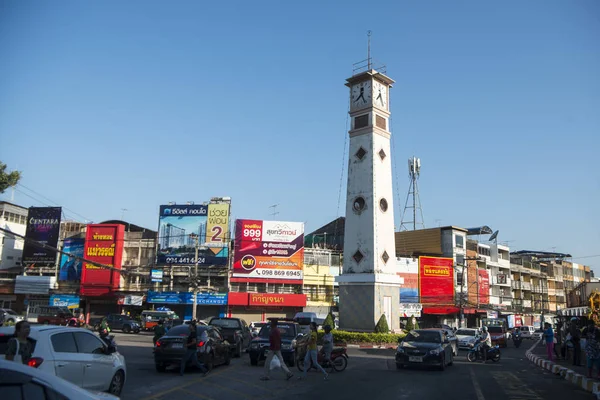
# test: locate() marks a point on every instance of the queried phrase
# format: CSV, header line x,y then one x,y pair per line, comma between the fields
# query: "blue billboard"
x,y
178,229
70,267
218,299
64,300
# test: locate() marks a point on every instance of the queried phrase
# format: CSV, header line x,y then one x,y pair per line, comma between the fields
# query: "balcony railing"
x,y
525,285
516,284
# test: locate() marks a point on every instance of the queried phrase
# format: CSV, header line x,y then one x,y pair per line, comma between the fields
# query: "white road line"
x,y
476,386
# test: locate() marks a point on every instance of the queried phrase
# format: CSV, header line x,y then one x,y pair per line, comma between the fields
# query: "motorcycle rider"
x,y
104,330
486,343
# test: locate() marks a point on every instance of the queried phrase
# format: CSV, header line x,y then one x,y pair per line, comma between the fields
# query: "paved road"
x,y
371,374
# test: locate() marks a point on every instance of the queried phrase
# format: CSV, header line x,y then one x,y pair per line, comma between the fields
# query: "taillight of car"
x,y
158,344
201,343
35,362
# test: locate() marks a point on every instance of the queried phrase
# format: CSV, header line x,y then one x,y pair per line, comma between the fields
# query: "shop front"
x,y
254,307
208,304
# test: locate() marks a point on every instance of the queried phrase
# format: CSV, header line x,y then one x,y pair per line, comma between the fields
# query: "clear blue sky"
x,y
110,105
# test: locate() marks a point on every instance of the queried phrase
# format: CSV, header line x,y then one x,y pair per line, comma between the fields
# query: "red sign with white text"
x,y
104,245
484,286
436,280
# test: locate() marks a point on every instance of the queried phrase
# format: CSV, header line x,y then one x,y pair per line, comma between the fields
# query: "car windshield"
x,y
495,329
11,312
184,330
259,325
226,323
424,337
286,330
465,332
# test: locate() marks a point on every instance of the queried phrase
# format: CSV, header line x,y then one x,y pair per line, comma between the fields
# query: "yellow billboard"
x,y
217,225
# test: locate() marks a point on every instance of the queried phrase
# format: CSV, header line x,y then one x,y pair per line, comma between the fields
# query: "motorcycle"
x,y
493,353
517,339
109,340
339,357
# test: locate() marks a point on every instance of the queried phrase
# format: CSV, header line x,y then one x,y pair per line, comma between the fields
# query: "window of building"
x,y
460,259
460,241
459,278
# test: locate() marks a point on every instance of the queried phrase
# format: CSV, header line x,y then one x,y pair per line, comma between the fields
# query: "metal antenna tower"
x,y
414,171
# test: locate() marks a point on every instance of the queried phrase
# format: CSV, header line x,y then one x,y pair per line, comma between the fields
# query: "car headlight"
x,y
400,349
471,344
435,352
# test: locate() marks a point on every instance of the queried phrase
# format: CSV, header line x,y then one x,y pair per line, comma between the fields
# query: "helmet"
x,y
574,319
327,328
484,329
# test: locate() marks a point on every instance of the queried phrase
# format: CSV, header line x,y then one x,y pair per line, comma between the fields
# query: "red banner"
x,y
436,280
104,245
484,286
266,299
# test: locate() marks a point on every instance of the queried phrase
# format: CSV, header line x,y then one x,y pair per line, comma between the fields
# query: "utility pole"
x,y
195,279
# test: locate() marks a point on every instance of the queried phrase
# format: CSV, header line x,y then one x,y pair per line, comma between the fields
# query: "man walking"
x,y
275,351
190,351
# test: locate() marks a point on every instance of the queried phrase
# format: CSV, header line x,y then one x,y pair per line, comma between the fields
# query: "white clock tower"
x,y
369,286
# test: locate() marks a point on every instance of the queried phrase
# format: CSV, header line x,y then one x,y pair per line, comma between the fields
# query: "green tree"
x,y
329,321
8,179
382,325
409,325
416,324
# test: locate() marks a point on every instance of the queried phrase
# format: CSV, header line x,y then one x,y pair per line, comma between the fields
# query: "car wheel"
x,y
116,384
210,362
451,363
136,331
443,363
253,360
160,367
126,329
227,359
238,350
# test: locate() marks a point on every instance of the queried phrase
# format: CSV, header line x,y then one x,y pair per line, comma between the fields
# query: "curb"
x,y
565,373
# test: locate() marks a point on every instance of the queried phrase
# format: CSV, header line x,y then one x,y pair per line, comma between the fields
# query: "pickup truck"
x,y
118,322
235,331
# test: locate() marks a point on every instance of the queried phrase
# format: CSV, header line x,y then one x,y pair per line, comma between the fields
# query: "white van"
x,y
527,331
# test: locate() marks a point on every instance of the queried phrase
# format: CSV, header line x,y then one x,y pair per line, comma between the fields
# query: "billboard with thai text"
x,y
484,286
104,245
183,229
268,250
408,271
436,280
43,226
70,267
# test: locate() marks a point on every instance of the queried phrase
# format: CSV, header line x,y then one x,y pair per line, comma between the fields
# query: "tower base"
x,y
364,298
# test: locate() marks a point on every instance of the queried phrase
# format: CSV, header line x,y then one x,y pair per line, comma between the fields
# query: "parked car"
x,y
10,316
255,327
123,323
16,379
150,318
424,347
537,335
449,334
76,355
53,315
527,331
467,338
235,331
212,348
259,347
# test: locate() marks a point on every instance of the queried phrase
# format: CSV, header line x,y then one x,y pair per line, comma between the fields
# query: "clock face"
x,y
361,95
380,95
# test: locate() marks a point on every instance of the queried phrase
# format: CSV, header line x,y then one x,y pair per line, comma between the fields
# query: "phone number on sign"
x,y
279,273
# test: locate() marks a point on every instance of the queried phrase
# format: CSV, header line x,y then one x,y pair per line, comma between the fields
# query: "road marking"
x,y
197,380
513,387
476,386
196,394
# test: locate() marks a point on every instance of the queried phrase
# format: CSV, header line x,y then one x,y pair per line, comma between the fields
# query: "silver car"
x,y
467,338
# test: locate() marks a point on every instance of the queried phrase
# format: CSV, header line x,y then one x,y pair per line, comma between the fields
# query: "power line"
x,y
44,197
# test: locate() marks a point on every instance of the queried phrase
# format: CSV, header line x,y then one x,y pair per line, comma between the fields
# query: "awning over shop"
x,y
574,312
441,310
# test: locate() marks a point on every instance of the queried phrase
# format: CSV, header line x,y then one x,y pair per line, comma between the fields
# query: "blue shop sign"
x,y
219,299
64,300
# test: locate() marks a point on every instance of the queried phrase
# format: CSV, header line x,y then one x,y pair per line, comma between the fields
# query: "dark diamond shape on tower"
x,y
358,256
382,154
385,257
361,153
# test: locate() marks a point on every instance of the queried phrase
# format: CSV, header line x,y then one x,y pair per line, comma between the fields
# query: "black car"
x,y
212,349
259,347
451,336
123,323
424,347
235,331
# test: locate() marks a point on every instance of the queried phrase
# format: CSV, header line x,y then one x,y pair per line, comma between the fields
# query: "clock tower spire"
x,y
369,285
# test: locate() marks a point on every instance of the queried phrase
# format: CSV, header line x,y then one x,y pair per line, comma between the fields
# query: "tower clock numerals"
x,y
361,94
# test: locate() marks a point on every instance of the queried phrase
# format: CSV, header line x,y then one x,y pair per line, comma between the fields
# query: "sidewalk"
x,y
565,368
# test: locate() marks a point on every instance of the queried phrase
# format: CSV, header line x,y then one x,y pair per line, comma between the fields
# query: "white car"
x,y
11,316
256,326
76,355
467,337
16,379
